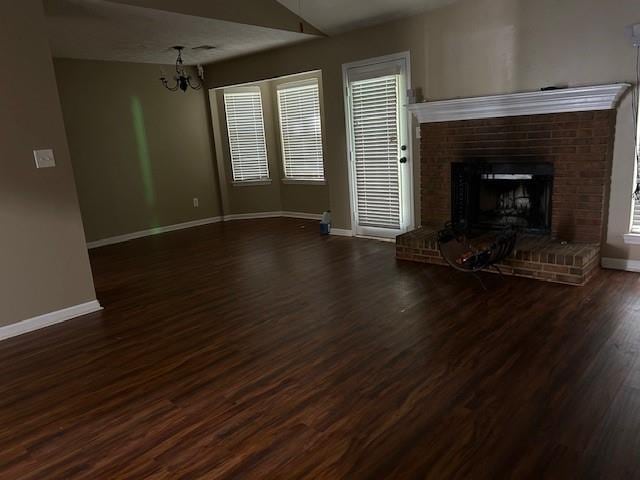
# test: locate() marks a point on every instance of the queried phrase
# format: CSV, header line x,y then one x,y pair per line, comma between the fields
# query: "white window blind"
x,y
635,221
635,226
245,127
374,108
635,105
301,132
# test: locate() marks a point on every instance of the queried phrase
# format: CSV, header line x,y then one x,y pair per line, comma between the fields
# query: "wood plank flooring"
x,y
258,349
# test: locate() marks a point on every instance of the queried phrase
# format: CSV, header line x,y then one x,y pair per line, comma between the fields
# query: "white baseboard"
x,y
252,216
303,215
621,264
197,223
48,319
152,231
340,232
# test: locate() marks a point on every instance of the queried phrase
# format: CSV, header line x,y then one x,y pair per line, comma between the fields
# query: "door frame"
x,y
407,203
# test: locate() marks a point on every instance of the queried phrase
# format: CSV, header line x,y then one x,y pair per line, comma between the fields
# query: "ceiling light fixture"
x,y
182,77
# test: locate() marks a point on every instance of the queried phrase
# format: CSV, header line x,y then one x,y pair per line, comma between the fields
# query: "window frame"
x,y
257,181
314,81
633,235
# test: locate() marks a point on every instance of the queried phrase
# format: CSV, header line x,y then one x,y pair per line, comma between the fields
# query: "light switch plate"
x,y
44,158
633,33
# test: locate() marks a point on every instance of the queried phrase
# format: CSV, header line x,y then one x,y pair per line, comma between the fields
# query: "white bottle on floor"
x,y
325,223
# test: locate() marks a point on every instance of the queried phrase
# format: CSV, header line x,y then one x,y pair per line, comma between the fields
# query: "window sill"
x,y
298,181
632,238
251,183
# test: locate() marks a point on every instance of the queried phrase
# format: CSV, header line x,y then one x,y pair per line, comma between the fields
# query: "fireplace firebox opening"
x,y
496,195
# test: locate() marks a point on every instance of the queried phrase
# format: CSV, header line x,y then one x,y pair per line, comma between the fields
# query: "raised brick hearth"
x,y
535,256
580,147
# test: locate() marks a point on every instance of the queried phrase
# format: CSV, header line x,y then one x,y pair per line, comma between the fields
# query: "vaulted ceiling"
x,y
337,16
145,30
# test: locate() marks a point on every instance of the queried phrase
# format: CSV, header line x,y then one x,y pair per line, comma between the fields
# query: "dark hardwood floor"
x,y
259,349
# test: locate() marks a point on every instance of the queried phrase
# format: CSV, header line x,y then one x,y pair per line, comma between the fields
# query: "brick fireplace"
x,y
578,144
571,131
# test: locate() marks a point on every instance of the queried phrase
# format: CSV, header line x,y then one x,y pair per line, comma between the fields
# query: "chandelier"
x,y
182,78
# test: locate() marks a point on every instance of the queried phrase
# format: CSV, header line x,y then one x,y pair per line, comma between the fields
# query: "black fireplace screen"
x,y
489,196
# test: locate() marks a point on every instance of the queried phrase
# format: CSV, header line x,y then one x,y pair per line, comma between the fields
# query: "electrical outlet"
x,y
196,203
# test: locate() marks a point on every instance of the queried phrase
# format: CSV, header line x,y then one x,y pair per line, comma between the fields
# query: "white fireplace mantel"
x,y
579,99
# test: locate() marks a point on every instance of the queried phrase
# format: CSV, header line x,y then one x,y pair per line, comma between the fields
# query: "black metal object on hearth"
x,y
474,253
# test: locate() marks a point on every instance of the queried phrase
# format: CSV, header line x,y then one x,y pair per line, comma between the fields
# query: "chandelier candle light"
x,y
182,78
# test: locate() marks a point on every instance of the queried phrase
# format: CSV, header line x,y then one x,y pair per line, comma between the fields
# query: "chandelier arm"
x,y
166,85
197,86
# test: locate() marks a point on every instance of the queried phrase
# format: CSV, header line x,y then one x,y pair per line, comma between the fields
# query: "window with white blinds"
x,y
301,131
245,127
635,224
635,105
374,110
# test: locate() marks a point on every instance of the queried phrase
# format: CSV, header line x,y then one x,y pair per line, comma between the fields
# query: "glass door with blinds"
x,y
380,170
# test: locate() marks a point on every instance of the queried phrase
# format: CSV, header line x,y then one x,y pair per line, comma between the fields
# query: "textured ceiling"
x,y
337,16
103,30
264,13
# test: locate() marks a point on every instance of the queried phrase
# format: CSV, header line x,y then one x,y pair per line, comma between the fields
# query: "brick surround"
x,y
580,146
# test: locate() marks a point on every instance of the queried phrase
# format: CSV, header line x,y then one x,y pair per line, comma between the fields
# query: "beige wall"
x,y
44,262
239,199
140,153
475,47
523,45
299,197
328,55
276,196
